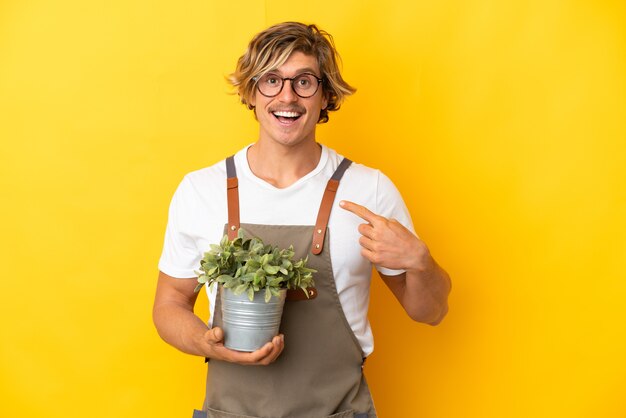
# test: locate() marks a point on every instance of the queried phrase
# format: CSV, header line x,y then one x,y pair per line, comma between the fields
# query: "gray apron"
x,y
320,372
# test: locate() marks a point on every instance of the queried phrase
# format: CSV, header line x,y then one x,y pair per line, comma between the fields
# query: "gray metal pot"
x,y
248,325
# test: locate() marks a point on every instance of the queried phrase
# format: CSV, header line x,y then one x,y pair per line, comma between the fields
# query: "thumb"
x,y
215,335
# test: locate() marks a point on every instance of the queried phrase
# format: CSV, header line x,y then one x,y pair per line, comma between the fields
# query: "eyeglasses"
x,y
304,85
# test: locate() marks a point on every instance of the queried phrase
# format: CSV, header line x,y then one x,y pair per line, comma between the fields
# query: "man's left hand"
x,y
423,289
387,243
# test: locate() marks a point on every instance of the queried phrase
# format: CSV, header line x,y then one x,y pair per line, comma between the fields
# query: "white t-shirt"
x,y
198,212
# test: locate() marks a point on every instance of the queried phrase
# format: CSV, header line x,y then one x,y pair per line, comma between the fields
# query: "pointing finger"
x,y
360,211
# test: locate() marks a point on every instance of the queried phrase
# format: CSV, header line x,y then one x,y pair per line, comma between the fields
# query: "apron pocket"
x,y
214,413
344,414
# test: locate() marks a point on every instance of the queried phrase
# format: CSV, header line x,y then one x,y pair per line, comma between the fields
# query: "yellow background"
x,y
502,123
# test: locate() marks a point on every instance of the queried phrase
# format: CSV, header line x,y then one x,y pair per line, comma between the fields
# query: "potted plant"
x,y
254,278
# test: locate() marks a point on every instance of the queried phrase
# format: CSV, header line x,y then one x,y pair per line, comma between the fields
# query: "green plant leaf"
x,y
224,241
253,265
238,290
271,269
251,294
274,281
268,294
223,278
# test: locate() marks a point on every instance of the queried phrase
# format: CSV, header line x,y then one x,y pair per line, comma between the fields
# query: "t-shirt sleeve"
x,y
389,203
180,256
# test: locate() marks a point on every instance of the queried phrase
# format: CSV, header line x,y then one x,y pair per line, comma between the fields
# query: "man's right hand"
x,y
213,343
178,325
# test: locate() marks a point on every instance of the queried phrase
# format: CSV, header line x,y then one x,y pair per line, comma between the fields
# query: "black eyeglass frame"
x,y
320,81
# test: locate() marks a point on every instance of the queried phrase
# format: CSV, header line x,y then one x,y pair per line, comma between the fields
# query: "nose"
x,y
287,94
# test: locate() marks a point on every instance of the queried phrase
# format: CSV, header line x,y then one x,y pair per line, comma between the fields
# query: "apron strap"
x,y
319,232
232,197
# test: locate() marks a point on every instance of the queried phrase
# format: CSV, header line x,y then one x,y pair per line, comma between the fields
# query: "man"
x,y
289,77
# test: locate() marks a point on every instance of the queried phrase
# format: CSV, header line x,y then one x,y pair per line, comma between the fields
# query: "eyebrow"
x,y
298,72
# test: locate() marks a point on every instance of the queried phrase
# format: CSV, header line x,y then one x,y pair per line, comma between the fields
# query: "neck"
x,y
283,166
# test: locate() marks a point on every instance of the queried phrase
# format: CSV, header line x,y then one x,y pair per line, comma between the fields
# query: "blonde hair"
x,y
272,47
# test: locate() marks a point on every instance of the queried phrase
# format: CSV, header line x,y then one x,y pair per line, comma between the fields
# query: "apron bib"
x,y
320,371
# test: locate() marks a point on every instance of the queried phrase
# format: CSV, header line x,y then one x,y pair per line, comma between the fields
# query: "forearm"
x,y
173,315
425,294
180,327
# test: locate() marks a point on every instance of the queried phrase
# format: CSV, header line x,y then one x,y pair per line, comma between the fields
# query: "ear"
x,y
325,101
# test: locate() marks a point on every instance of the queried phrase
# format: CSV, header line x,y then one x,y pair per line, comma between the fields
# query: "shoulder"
x,y
199,189
205,176
204,182
362,177
356,171
369,187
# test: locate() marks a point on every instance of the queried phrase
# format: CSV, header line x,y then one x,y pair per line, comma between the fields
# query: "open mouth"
x,y
286,117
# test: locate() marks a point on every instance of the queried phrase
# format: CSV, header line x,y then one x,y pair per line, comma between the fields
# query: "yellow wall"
x,y
503,123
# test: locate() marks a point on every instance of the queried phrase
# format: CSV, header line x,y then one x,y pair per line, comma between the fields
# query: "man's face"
x,y
288,119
